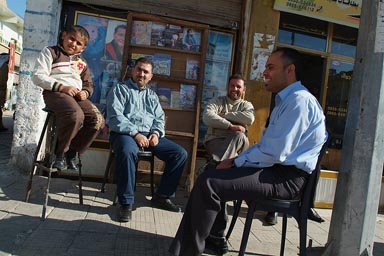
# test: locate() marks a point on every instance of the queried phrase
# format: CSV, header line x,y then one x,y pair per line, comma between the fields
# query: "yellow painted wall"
x,y
263,20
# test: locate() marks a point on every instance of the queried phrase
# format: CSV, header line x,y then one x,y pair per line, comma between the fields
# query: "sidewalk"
x,y
93,228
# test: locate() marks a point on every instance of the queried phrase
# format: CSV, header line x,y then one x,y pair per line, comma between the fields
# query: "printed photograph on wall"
x,y
103,53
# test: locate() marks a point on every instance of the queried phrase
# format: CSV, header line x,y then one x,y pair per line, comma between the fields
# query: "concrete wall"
x,y
41,23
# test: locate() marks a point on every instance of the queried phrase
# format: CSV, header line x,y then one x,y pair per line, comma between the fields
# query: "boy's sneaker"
x,y
60,163
71,160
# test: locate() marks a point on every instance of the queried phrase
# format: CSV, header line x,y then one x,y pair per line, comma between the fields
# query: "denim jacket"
x,y
131,110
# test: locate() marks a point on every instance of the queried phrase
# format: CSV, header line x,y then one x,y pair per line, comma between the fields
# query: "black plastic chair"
x,y
142,156
298,209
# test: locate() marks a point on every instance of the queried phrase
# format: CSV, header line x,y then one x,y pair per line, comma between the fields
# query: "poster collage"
x,y
104,54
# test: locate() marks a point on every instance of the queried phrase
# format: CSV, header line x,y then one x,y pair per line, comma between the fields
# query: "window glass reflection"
x,y
339,83
302,32
344,40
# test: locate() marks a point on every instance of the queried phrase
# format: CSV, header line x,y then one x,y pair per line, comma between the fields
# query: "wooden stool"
x,y
142,156
46,164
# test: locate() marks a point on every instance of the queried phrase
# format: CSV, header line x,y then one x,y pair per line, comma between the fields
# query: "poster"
x,y
103,54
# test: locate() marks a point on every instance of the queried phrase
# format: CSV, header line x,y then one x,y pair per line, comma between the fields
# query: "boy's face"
x,y
73,42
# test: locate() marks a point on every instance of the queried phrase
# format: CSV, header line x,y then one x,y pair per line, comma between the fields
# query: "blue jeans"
x,y
126,149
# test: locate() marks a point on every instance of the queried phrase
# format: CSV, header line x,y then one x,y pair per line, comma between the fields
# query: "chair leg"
x,y
303,237
236,211
283,235
247,228
107,170
152,162
29,185
80,180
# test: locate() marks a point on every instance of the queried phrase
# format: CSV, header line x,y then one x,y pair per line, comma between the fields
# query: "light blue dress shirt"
x,y
295,134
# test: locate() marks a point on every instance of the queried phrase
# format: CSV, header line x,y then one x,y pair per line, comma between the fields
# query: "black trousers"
x,y
204,207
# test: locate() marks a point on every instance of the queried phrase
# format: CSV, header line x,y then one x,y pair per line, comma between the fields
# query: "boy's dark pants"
x,y
78,122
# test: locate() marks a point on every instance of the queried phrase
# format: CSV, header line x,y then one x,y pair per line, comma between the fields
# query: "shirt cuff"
x,y
133,133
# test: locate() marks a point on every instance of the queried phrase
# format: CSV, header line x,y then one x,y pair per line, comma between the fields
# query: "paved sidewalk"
x,y
93,228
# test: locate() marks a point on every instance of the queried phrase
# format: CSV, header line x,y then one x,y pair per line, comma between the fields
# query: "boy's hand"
x,y
81,95
70,90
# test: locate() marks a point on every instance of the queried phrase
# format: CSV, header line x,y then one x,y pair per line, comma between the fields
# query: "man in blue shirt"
x,y
136,120
276,167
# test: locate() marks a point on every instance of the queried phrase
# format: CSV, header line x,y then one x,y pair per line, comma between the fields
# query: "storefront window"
x,y
302,32
344,40
339,82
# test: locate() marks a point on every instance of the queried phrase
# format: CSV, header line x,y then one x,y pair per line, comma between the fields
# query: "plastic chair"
x,y
142,156
298,209
46,164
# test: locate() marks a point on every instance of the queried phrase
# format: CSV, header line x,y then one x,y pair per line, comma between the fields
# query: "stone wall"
x,y
41,25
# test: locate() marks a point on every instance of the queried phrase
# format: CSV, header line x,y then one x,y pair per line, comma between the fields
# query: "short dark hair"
x,y
118,27
81,30
144,60
292,56
237,76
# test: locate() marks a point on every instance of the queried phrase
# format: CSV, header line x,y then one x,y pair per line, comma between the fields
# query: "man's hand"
x,y
70,90
153,139
235,127
225,164
141,140
81,95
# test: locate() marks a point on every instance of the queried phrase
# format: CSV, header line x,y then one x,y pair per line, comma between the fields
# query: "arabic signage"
x,y
344,12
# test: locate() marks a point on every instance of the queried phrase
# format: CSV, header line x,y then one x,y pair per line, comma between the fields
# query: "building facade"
x,y
324,31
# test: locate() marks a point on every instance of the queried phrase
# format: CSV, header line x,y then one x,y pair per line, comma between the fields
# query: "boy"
x,y
67,84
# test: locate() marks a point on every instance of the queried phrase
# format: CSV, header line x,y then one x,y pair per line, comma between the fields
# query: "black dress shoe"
x,y
216,245
271,218
71,160
125,213
164,203
60,163
313,215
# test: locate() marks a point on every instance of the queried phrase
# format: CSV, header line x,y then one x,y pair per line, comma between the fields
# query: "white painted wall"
x,y
41,24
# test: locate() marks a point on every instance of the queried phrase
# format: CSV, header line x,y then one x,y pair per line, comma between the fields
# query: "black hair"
x,y
292,56
237,76
81,30
120,26
144,61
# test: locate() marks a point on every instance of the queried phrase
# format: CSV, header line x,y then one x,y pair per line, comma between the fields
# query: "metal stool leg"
x,y
36,155
80,180
50,163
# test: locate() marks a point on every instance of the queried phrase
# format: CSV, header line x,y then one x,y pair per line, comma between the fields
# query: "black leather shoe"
x,y
60,163
165,204
125,213
70,157
313,215
216,245
271,218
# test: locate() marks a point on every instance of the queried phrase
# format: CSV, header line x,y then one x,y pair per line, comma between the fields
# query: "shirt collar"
x,y
283,94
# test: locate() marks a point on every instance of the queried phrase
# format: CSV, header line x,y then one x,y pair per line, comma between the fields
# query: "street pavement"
x,y
93,228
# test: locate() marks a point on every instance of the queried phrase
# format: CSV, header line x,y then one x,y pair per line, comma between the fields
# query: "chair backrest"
x,y
314,177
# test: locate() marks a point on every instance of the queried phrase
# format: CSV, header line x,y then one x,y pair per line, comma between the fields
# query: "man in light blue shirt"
x,y
136,120
276,167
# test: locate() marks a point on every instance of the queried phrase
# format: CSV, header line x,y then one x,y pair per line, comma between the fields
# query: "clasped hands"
x,y
144,142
